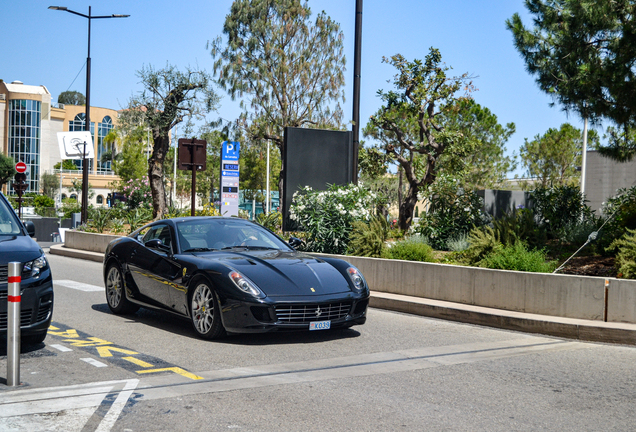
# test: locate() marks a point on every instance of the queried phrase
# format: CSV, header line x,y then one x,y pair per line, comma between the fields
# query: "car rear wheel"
x,y
205,311
115,295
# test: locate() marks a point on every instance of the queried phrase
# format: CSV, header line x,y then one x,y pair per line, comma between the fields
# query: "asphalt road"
x,y
149,372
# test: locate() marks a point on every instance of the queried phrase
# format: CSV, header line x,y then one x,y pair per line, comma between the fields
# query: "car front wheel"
x,y
205,311
115,295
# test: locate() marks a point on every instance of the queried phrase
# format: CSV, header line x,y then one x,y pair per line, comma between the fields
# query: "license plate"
x,y
320,325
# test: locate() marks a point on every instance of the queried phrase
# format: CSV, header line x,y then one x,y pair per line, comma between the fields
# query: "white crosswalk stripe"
x,y
77,285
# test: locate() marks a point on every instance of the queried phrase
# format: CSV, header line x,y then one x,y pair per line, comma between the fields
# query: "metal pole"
x,y
267,189
194,178
174,169
60,194
356,88
584,158
13,324
87,126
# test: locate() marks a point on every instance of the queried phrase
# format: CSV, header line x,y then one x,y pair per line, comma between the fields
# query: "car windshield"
x,y
9,223
223,234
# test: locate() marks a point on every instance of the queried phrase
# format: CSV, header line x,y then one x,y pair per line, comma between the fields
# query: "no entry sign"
x,y
20,167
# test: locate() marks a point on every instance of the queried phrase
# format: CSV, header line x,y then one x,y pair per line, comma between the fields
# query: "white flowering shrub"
x,y
328,216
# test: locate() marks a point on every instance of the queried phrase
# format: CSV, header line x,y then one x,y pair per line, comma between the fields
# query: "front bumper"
x,y
282,315
36,305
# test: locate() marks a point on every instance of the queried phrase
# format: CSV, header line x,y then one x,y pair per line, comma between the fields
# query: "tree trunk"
x,y
155,176
407,207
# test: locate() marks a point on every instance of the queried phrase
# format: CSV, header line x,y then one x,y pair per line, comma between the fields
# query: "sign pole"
x,y
193,167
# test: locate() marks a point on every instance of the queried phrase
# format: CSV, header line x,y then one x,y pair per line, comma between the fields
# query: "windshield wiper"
x,y
200,249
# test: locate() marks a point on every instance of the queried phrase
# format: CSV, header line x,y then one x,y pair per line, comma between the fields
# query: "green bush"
x,y
272,221
328,216
626,256
482,241
558,206
453,212
518,257
521,225
70,206
367,239
459,243
410,250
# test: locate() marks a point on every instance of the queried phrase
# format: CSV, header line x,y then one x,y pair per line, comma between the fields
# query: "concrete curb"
x,y
587,330
59,249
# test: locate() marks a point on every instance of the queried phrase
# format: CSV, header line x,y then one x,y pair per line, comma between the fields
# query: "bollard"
x,y
13,324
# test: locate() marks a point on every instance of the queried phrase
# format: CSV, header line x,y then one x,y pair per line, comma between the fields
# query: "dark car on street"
x,y
231,275
36,286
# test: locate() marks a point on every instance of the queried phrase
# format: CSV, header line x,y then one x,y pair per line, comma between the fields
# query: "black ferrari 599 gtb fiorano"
x,y
231,275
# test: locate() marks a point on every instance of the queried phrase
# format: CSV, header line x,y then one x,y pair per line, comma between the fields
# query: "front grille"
x,y
296,314
4,273
25,318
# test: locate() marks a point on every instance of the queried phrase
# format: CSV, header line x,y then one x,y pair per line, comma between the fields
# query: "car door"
x,y
152,268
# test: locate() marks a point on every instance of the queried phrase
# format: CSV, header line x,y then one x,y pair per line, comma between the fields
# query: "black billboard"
x,y
315,158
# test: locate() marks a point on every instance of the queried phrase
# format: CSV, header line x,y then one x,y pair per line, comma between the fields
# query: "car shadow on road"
x,y
182,327
26,350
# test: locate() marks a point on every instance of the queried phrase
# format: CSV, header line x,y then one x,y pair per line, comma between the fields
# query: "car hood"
x,y
281,273
18,249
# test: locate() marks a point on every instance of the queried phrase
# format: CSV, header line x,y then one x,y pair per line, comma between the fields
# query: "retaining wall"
x,y
582,297
88,241
569,296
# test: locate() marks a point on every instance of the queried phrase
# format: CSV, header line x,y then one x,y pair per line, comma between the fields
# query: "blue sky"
x,y
42,46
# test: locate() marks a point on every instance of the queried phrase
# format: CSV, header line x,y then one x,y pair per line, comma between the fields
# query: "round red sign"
x,y
20,167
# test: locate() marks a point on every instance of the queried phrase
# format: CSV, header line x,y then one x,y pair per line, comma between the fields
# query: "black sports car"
x,y
230,274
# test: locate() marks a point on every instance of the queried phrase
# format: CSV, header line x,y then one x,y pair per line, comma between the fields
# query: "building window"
x,y
24,138
103,128
74,196
100,199
78,125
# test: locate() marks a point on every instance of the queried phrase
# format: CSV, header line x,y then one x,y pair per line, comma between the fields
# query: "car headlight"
x,y
35,267
356,277
245,285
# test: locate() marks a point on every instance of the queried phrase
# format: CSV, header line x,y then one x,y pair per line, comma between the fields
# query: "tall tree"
x,y
582,53
7,169
49,184
128,152
288,70
169,96
71,98
409,126
487,166
553,158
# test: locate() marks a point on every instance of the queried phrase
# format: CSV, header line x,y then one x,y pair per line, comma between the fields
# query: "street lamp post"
x,y
87,126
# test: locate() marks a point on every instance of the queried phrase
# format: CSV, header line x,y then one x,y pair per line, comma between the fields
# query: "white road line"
x,y
78,285
60,348
113,413
94,362
62,408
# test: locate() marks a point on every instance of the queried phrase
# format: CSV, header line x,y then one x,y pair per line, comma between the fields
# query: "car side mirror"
x,y
157,244
295,242
30,227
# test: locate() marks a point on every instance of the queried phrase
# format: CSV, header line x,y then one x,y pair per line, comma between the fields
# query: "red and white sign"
x,y
20,167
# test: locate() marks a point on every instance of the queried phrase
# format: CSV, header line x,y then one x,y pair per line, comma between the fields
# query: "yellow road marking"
x,y
70,333
91,341
104,351
176,370
138,362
